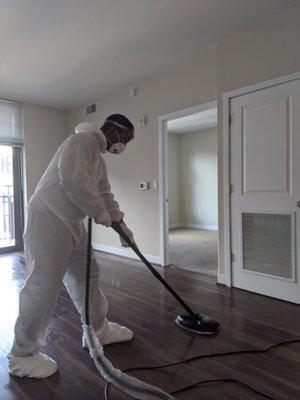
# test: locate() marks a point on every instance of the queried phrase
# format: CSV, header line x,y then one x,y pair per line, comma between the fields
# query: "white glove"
x,y
103,219
128,233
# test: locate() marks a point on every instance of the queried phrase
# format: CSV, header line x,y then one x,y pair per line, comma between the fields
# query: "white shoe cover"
x,y
39,366
110,332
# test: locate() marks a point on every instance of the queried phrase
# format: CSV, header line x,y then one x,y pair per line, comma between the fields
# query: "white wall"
x,y
193,82
174,179
263,51
199,178
44,130
193,179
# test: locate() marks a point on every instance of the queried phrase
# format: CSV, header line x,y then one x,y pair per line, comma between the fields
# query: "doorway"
x,y
11,198
189,182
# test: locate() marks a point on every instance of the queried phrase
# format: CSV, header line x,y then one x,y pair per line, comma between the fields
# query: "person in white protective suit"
x,y
74,185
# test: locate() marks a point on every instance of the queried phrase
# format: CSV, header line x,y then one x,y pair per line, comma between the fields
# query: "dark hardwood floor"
x,y
248,321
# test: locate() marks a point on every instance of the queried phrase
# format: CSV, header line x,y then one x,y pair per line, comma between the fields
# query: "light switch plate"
x,y
142,121
144,185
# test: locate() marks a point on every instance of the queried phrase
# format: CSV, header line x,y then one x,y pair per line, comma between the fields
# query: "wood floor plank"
x,y
249,321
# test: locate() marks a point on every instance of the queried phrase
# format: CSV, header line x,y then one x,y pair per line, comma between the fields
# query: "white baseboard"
x,y
202,226
194,226
127,253
221,278
176,225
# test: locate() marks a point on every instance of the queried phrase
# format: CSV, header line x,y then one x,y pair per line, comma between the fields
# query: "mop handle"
x,y
116,227
88,271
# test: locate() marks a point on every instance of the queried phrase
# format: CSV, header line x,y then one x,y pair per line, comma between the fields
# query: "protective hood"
x,y
88,127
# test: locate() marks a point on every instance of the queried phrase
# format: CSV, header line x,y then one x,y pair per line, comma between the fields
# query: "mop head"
x,y
200,324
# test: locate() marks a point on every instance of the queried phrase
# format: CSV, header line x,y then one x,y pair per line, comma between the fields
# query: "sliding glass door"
x,y
11,198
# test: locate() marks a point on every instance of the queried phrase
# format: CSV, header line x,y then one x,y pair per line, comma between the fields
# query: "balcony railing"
x,y
7,221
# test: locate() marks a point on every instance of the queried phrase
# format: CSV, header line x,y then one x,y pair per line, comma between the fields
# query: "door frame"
x,y
18,185
163,175
226,278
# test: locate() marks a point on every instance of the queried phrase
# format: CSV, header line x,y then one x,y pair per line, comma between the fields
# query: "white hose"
x,y
132,386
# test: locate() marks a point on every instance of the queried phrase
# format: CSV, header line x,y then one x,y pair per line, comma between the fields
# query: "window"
x,y
11,182
10,122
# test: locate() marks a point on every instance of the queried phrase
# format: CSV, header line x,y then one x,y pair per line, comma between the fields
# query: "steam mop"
x,y
134,387
191,321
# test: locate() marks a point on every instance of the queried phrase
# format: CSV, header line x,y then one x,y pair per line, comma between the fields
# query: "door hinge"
x,y
231,257
230,119
231,189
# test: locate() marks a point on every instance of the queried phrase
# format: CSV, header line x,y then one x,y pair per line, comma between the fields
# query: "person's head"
x,y
118,131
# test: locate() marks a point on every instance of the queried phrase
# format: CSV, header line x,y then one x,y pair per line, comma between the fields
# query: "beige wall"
x,y
199,177
174,179
191,83
44,130
263,51
193,178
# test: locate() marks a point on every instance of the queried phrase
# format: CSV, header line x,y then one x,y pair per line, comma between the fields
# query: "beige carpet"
x,y
194,249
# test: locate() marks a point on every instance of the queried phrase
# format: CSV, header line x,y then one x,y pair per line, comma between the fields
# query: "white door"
x,y
265,178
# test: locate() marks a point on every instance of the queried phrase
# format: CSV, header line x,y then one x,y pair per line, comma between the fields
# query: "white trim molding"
x,y
202,226
226,278
222,279
163,178
127,253
194,226
176,225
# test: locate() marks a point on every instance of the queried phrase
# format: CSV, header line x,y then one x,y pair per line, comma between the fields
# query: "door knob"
x,y
298,204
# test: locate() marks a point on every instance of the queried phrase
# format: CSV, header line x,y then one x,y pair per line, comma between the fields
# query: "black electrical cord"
x,y
223,381
212,355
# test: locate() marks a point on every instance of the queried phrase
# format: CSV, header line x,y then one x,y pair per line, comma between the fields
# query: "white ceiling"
x,y
62,53
193,123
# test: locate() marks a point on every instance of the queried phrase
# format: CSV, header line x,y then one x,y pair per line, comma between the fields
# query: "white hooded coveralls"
x,y
74,185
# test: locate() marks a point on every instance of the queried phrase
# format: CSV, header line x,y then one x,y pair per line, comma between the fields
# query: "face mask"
x,y
116,148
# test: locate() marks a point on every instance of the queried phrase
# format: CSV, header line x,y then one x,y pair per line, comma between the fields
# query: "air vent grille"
x,y
91,109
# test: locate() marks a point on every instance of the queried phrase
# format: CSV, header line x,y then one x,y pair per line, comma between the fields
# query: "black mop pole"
x,y
116,227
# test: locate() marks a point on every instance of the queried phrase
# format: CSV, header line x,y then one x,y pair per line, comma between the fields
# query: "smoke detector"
x,y
132,93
